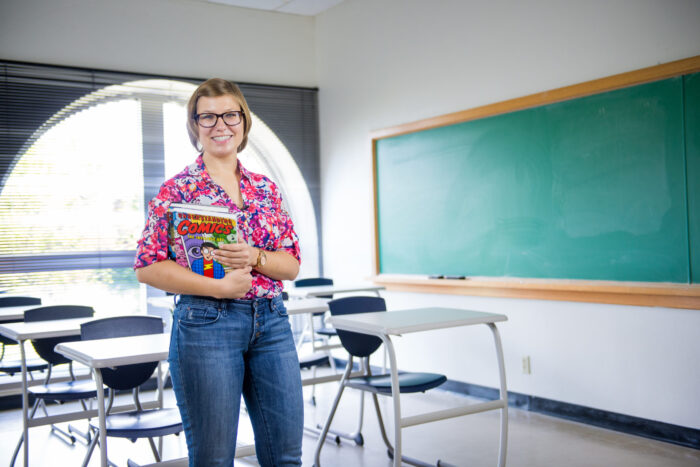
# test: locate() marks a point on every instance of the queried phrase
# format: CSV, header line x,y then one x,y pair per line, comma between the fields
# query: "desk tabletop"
x,y
413,320
166,301
316,290
306,305
105,353
13,313
43,329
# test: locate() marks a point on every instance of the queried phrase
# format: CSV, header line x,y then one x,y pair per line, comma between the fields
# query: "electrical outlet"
x,y
526,365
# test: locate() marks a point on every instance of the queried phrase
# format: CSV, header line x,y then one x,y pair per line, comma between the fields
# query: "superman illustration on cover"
x,y
206,265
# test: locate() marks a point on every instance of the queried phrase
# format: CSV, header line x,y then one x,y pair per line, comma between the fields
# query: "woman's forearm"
x,y
280,266
171,277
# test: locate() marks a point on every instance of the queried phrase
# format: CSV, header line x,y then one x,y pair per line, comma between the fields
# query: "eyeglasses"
x,y
209,120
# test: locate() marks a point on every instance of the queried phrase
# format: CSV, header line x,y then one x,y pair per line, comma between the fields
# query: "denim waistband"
x,y
252,303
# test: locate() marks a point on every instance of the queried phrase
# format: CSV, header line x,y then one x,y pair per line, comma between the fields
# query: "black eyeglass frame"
x,y
240,113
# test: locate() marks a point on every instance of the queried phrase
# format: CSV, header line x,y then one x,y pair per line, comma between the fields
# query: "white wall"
x,y
187,38
384,63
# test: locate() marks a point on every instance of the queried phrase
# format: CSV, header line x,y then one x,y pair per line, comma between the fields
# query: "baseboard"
x,y
675,434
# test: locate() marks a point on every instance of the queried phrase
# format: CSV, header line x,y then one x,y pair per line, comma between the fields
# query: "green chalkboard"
x,y
593,188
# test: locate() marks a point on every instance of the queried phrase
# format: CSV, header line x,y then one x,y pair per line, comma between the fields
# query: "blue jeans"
x,y
221,349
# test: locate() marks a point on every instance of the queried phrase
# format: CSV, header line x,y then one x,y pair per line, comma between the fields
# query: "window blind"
x,y
82,152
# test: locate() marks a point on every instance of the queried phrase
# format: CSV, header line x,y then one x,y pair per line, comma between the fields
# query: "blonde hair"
x,y
216,87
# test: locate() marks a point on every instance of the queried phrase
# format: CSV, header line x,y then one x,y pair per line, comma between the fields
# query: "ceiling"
x,y
295,7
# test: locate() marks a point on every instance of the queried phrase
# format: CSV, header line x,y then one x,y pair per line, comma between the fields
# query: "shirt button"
x,y
257,334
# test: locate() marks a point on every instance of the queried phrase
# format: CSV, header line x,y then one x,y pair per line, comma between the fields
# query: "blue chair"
x,y
73,390
362,346
139,423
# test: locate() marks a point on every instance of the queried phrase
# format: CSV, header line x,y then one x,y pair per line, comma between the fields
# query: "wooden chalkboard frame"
x,y
626,293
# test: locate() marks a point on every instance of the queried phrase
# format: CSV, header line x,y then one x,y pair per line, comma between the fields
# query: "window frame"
x,y
45,90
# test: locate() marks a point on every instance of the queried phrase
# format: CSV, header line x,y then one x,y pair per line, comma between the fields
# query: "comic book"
x,y
194,231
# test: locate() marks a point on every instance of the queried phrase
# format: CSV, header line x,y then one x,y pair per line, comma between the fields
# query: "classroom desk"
x,y
306,305
165,301
396,323
321,290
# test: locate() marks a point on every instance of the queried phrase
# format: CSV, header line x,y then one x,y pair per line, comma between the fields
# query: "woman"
x,y
230,336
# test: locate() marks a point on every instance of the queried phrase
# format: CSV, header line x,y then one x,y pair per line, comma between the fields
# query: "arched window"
x,y
72,201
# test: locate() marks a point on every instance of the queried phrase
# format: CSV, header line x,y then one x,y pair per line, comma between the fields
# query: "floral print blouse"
x,y
264,223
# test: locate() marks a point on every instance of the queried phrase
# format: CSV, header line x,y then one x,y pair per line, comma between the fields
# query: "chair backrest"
x,y
126,376
44,347
45,313
312,281
357,344
19,301
15,301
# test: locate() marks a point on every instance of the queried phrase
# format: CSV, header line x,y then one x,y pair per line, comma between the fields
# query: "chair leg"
x,y
356,435
42,404
59,431
302,336
331,414
156,454
331,360
91,447
390,448
85,436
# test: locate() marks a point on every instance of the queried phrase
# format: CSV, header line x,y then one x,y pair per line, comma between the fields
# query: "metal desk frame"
x,y
386,324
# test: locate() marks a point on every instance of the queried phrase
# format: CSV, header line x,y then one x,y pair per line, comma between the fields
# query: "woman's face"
x,y
221,140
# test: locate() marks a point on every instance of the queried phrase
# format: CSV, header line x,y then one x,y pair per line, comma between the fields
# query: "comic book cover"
x,y
195,231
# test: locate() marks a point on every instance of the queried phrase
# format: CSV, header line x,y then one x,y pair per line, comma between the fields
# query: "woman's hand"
x,y
235,283
236,255
169,276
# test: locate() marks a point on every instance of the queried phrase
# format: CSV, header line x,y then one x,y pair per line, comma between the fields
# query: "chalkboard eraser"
x,y
436,276
455,277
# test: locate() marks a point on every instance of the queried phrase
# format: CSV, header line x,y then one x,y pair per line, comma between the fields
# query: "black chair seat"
x,y
148,423
409,382
314,359
66,391
330,332
15,366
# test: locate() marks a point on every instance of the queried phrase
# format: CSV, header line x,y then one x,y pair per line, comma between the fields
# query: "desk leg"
x,y
25,404
503,444
396,397
161,384
102,415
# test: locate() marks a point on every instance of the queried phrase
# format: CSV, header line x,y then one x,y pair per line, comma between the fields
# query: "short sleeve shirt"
x,y
263,223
